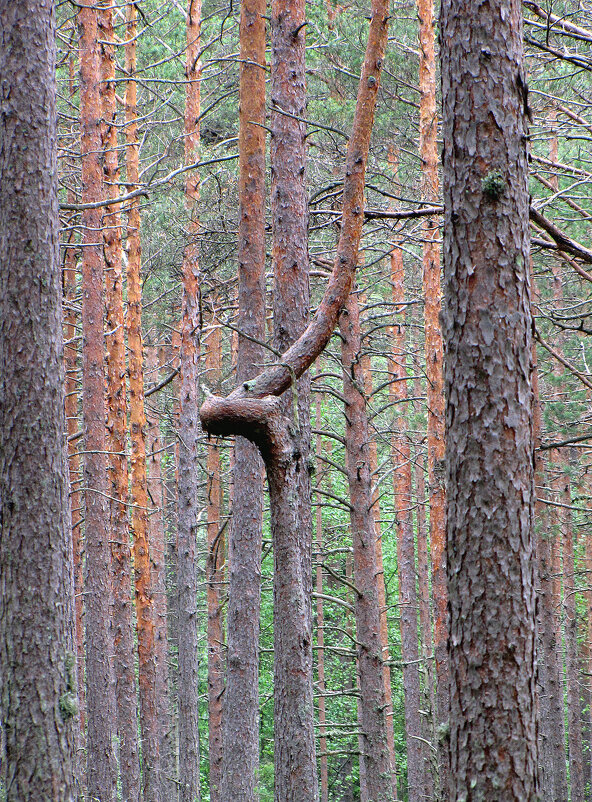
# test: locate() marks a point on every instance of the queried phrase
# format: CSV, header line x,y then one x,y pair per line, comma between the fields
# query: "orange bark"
x,y
121,569
137,422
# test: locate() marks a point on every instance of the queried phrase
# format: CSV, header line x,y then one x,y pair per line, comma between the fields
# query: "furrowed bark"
x,y
37,652
122,623
188,444
289,214
376,755
240,755
137,423
101,769
488,332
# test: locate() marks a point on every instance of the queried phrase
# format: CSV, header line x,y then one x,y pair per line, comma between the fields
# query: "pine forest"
x,y
295,401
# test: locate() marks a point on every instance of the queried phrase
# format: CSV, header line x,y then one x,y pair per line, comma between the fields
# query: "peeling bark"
x,y
488,332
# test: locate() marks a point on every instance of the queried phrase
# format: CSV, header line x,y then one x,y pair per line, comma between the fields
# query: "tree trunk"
x,y
137,421
372,692
240,751
428,151
101,769
37,651
488,331
189,430
408,602
289,214
215,576
122,623
157,548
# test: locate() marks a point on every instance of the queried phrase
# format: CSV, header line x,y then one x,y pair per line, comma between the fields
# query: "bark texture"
x,y
189,430
122,623
488,333
37,652
101,769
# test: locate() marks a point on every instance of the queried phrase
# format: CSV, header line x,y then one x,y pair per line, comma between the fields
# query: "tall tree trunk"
x,y
488,332
254,410
37,651
101,769
372,692
215,575
428,151
137,422
157,547
408,602
188,444
240,751
576,757
386,671
121,569
324,773
294,731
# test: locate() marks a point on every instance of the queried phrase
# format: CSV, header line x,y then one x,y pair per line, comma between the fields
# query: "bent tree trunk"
x,y
37,652
254,410
488,332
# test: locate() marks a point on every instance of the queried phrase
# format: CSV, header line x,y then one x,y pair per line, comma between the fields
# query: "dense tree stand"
x,y
488,376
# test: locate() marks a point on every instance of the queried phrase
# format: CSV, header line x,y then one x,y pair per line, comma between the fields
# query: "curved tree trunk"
x,y
488,332
37,652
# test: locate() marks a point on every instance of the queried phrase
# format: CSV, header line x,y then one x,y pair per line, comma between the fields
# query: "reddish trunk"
x,y
240,755
121,569
101,770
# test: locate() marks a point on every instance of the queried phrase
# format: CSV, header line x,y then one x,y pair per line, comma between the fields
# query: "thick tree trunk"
x,y
240,755
215,576
122,623
37,651
488,330
372,692
137,422
189,430
101,769
408,602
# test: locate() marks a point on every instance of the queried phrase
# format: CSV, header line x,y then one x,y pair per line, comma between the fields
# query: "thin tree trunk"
x,y
574,720
188,443
368,631
240,751
324,787
37,651
157,548
408,602
488,330
428,151
101,769
386,671
289,214
215,576
122,623
137,422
